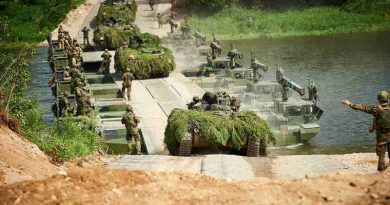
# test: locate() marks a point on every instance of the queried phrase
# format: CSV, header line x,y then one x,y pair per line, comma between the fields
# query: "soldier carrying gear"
x,y
199,38
127,78
64,104
284,91
185,30
215,50
130,120
234,55
279,74
381,113
53,84
84,105
106,61
173,24
86,34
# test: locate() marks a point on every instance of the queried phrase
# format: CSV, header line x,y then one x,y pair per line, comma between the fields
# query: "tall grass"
x,y
231,23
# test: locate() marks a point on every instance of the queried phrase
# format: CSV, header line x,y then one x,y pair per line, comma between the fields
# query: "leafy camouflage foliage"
x,y
218,130
145,65
113,37
122,13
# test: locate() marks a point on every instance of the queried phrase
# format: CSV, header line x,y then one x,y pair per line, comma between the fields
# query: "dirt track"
x,y
104,186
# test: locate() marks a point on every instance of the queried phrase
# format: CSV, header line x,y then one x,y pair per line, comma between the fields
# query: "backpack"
x,y
383,119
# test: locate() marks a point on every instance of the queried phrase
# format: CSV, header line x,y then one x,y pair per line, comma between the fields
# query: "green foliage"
x,y
113,37
217,130
124,13
31,20
205,4
70,137
150,40
231,23
145,65
381,7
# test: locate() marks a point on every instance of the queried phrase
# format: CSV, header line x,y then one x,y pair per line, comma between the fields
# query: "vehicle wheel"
x,y
185,146
253,147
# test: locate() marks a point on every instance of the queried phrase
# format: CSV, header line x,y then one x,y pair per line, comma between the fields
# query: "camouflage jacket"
x,y
374,110
106,56
127,78
130,120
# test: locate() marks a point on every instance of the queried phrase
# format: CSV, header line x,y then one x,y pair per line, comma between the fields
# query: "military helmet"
x,y
129,108
66,93
127,69
195,98
106,50
383,96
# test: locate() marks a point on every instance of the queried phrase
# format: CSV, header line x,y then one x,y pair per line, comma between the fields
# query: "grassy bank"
x,y
231,23
31,20
24,23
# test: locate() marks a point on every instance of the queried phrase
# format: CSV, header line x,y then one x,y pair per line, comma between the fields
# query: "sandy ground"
x,y
21,160
104,186
75,19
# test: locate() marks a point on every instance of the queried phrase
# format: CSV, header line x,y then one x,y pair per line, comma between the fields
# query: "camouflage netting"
x,y
114,38
122,13
150,40
219,130
145,65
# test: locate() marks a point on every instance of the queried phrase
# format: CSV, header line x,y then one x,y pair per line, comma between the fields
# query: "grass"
x,y
32,22
230,23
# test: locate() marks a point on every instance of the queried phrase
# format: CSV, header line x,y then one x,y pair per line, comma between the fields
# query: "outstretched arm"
x,y
364,108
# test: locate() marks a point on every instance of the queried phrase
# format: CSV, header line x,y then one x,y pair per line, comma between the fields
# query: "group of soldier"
x,y
219,101
72,73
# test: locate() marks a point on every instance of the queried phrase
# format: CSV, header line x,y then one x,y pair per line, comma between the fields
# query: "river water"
x,y
353,66
39,88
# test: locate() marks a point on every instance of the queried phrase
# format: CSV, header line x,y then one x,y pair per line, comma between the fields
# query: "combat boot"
x,y
381,164
138,147
131,148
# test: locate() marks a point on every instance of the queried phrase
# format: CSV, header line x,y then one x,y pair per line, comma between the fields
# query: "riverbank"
x,y
231,23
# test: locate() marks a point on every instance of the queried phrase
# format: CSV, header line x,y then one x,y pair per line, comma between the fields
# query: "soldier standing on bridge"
x,y
159,20
106,61
381,113
151,4
86,35
130,120
64,104
127,78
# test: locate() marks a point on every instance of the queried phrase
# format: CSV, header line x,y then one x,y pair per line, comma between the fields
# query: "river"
x,y
353,66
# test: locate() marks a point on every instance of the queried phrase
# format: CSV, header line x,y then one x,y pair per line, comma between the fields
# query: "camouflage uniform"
x,y
84,104
159,20
130,120
64,104
127,78
382,136
151,4
284,92
106,61
86,34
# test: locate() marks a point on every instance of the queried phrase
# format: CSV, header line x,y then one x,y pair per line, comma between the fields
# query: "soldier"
x,y
64,104
84,105
151,4
235,104
130,120
106,61
173,24
315,92
215,50
215,40
279,74
66,76
199,38
381,113
196,102
172,15
233,56
86,35
127,78
60,31
159,20
284,91
53,84
185,30
249,22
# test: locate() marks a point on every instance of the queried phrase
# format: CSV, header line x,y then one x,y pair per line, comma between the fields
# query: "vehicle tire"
x,y
253,147
185,145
